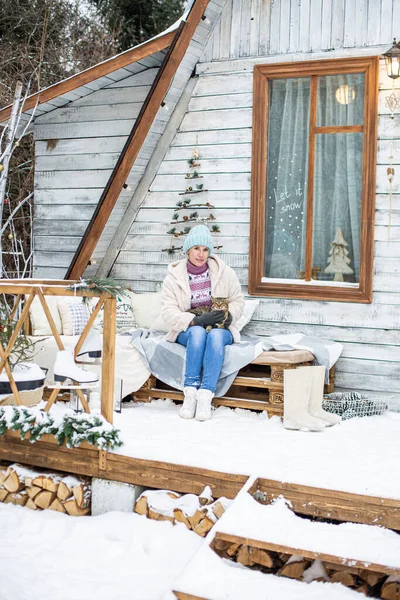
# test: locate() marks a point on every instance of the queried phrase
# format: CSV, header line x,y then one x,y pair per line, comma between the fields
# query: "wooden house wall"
x,y
76,149
220,117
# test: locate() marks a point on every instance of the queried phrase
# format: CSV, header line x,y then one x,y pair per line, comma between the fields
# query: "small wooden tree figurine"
x,y
338,260
189,209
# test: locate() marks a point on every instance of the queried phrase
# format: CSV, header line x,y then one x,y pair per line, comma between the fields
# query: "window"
x,y
313,179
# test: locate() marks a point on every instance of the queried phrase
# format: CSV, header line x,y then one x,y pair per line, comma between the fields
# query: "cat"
x,y
217,304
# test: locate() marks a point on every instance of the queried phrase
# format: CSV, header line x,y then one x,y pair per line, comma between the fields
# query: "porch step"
x,y
274,540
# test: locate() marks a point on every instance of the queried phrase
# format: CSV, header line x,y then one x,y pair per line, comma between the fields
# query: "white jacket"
x,y
175,300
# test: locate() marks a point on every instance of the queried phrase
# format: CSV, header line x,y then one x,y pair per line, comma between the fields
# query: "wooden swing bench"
x,y
259,386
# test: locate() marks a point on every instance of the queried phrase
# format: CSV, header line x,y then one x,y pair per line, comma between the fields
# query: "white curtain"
x,y
337,175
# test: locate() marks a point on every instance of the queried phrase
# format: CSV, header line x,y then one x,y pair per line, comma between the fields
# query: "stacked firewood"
x,y
198,513
371,583
40,490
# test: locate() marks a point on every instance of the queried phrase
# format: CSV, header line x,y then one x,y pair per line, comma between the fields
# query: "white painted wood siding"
x,y
271,27
78,145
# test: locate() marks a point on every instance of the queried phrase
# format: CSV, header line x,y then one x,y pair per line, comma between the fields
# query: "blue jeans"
x,y
204,351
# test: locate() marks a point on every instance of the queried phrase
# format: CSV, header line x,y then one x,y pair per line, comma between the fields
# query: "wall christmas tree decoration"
x,y
338,260
191,209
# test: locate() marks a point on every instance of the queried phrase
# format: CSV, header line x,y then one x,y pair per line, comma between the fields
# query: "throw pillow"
x,y
125,319
40,325
146,308
74,316
249,308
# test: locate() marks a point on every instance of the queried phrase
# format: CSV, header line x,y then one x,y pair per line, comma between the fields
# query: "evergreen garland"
x,y
72,430
99,285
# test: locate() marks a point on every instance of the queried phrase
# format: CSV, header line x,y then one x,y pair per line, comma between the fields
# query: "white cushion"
x,y
40,325
125,319
146,308
74,316
249,308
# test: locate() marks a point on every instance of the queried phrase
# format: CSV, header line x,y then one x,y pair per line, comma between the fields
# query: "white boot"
x,y
297,390
92,344
203,410
317,393
65,368
188,408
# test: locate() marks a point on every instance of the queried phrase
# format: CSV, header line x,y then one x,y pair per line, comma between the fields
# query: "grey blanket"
x,y
167,360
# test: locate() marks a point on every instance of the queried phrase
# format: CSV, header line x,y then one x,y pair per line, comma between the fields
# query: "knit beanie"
x,y
198,236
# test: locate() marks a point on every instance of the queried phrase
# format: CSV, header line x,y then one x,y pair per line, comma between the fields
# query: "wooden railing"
x,y
26,290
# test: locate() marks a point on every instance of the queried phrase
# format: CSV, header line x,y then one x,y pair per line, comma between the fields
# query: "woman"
x,y
190,283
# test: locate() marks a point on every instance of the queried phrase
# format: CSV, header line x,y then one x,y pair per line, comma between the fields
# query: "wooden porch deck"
x,y
86,460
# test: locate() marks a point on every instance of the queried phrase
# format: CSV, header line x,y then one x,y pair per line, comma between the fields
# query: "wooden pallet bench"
x,y
259,386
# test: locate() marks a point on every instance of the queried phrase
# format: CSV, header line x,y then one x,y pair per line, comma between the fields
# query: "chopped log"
x,y
74,510
180,517
195,519
331,568
232,550
63,492
33,491
244,557
19,499
82,494
391,590
363,588
344,577
218,509
156,516
141,506
28,481
12,482
206,496
30,504
3,474
284,557
173,495
3,494
57,505
46,483
295,569
204,526
44,499
220,547
371,577
262,557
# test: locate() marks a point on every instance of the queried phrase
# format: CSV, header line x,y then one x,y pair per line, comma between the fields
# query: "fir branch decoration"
x,y
99,285
71,431
75,429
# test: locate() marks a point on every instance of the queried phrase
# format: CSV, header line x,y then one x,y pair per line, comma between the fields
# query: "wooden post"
x,y
108,359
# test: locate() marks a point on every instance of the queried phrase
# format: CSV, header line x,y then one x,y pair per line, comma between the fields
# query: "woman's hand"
x,y
228,321
209,318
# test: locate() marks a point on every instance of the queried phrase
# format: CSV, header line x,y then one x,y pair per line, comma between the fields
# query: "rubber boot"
x,y
65,368
92,344
316,396
204,399
188,408
297,390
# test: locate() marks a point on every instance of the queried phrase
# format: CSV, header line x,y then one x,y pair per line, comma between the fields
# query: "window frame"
x,y
308,290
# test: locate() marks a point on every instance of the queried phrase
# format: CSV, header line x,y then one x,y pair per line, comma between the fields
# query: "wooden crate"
x,y
259,386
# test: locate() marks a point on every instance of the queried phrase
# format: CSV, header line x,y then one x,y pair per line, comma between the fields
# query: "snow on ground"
x,y
121,556
361,455
117,556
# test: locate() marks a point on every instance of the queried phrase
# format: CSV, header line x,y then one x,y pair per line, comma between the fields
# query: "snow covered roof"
x,y
147,55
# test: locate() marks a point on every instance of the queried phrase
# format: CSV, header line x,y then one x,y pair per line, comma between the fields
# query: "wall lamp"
x,y
392,63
